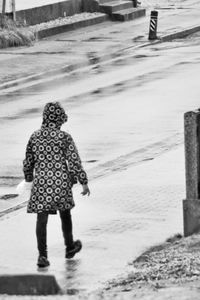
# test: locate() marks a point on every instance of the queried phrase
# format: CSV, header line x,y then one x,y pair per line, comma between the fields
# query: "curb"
x,y
12,209
68,27
180,34
95,60
29,285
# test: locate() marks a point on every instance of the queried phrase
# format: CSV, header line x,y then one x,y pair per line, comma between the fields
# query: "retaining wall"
x,y
49,12
35,12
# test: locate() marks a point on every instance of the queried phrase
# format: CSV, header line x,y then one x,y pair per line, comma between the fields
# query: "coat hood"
x,y
54,115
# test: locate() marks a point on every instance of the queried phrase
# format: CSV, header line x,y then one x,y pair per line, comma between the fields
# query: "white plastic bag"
x,y
24,188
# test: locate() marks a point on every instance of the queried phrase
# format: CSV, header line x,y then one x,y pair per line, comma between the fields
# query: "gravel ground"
x,y
177,259
66,20
167,271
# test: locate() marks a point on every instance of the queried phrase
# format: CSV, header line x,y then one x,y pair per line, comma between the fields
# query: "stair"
x,y
104,1
111,7
128,14
121,10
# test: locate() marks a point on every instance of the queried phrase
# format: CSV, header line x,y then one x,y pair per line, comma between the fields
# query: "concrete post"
x,y
191,206
153,25
3,7
13,10
29,284
3,13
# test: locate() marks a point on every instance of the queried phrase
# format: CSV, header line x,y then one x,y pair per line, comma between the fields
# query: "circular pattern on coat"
x,y
41,148
48,199
49,165
65,176
57,190
71,147
58,182
41,190
58,166
49,181
52,134
52,184
49,190
50,173
56,198
41,181
42,165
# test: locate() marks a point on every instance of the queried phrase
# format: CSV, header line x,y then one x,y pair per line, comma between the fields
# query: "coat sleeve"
x,y
28,162
74,162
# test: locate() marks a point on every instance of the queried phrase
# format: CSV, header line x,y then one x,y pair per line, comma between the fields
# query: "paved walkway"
x,y
84,46
126,212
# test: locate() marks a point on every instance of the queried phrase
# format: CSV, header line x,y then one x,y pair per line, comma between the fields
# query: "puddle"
x,y
91,161
116,55
99,39
138,38
98,91
141,56
93,58
8,196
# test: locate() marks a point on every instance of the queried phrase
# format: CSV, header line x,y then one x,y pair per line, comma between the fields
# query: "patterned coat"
x,y
53,164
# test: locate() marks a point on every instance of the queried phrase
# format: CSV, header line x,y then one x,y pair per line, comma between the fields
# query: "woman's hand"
x,y
86,190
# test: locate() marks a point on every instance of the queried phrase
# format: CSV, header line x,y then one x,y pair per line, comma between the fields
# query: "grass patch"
x,y
14,35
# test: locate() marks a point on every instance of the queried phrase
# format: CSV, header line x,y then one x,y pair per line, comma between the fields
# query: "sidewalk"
x,y
82,47
143,210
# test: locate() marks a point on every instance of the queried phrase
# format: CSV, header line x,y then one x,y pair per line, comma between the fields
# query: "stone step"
x,y
128,14
104,1
111,7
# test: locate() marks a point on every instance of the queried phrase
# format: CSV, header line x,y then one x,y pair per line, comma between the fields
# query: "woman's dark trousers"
x,y
41,230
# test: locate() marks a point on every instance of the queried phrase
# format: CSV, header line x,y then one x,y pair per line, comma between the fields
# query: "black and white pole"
x,y
134,3
153,25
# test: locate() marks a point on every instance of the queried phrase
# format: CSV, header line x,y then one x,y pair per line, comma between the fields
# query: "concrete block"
x,y
191,216
29,285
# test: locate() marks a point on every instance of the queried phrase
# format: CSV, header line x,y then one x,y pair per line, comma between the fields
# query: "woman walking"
x,y
53,164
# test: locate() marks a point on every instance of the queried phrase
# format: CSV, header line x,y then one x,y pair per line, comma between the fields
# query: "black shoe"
x,y
43,262
75,249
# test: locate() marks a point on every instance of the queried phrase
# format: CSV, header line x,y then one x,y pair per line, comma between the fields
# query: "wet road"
x,y
114,108
117,113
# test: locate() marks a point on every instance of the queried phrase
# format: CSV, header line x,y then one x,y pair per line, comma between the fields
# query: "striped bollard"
x,y
134,3
153,25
